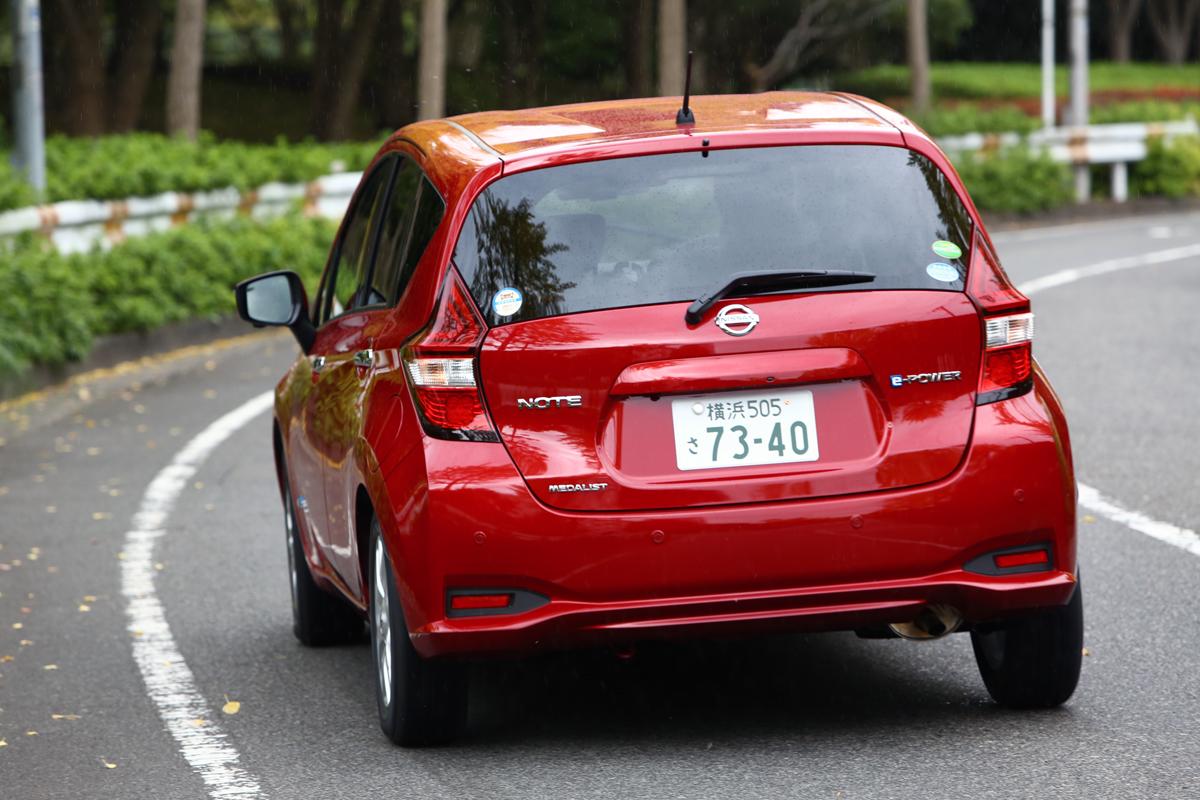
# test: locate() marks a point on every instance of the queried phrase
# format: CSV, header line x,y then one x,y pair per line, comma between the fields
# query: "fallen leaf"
x,y
17,626
108,764
209,394
50,667
51,509
199,484
1088,518
52,569
231,706
139,409
26,609
31,733
26,642
89,598
121,556
150,444
158,565
1087,652
200,722
99,515
91,423
93,451
136,634
84,607
64,716
3,743
5,659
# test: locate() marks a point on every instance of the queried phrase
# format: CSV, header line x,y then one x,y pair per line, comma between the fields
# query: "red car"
x,y
588,375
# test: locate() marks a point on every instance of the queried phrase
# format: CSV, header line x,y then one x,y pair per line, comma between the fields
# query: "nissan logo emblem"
x,y
736,320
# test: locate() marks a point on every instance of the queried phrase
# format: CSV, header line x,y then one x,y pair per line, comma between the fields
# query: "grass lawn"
x,y
986,80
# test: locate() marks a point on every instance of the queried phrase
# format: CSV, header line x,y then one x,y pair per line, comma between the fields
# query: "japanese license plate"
x,y
744,429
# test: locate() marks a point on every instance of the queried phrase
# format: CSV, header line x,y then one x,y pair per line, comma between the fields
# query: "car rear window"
x,y
670,228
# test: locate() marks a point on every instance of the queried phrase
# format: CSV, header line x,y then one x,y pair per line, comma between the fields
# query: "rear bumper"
x,y
566,623
825,564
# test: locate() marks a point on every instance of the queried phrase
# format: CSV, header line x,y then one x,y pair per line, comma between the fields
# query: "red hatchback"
x,y
583,375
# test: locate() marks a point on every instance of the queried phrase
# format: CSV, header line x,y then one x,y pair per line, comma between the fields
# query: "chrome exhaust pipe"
x,y
931,622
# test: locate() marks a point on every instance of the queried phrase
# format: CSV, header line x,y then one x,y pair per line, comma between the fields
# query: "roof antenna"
x,y
684,115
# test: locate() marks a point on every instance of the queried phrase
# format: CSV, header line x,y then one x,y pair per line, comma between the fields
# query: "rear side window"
x,y
670,228
351,260
415,209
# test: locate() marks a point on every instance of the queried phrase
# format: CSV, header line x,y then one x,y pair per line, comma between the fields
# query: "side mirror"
x,y
277,298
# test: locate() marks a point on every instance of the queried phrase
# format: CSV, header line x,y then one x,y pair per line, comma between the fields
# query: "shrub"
x,y
1169,170
971,118
53,305
141,164
1015,180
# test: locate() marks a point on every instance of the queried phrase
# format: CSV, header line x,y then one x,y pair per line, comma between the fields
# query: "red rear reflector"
x,y
1006,367
469,602
1025,559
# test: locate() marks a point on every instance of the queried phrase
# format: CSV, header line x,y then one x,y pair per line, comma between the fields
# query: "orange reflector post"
x,y
1025,559
469,602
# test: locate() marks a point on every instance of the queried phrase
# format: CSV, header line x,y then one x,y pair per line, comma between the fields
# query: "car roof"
x,y
473,139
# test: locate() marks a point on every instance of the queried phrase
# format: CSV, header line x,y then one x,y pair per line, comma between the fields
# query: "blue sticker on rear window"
x,y
942,272
507,302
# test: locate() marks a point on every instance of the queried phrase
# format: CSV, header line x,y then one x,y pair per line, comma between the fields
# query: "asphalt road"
x,y
802,716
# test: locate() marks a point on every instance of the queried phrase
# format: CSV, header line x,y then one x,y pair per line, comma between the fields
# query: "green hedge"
x,y
1015,180
1169,170
991,80
141,164
52,306
974,118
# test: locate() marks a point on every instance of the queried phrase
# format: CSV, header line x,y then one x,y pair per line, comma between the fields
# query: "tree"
x,y
340,56
1121,16
638,27
187,65
1172,22
431,84
83,23
822,25
918,55
139,23
289,14
672,46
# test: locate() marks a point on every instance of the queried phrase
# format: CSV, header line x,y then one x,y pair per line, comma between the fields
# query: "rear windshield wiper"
x,y
765,281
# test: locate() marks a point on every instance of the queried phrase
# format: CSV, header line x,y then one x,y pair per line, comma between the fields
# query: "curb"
x,y
116,364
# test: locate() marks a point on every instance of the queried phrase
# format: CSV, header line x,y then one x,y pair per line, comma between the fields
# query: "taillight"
x,y
441,364
1008,337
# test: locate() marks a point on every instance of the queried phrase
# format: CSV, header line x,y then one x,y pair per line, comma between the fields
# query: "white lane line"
x,y
1184,539
169,682
1073,228
1091,498
1065,276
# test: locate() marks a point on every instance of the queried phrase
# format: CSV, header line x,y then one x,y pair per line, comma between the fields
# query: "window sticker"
x,y
945,273
507,301
945,249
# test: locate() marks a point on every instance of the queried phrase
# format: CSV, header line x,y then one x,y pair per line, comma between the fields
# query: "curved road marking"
x,y
1089,497
169,682
1184,539
1065,276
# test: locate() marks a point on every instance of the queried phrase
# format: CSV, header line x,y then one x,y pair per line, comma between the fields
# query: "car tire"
x,y
318,617
1033,662
422,702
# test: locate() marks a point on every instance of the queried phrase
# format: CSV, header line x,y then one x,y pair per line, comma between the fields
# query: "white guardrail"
x,y
1117,144
75,226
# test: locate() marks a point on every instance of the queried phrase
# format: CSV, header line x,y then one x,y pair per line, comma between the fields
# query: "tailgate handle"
x,y
740,371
